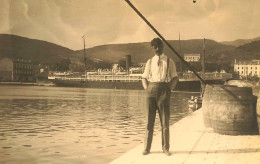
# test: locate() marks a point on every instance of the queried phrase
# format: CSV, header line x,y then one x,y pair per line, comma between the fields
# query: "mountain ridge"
x,y
14,46
240,42
44,52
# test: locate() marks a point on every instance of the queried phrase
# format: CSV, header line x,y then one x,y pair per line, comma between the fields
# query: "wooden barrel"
x,y
258,112
206,105
233,110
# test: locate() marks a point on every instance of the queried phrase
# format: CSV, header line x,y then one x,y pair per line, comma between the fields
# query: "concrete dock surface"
x,y
192,143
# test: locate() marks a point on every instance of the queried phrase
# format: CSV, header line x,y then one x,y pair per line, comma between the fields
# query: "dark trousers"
x,y
158,98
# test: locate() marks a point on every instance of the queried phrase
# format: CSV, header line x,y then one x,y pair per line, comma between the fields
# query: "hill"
x,y
48,53
141,52
248,51
38,51
240,42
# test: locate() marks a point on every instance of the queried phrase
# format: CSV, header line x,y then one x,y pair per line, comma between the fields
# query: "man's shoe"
x,y
166,152
145,152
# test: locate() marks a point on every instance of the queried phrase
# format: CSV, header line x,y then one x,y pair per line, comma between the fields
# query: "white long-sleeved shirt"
x,y
155,73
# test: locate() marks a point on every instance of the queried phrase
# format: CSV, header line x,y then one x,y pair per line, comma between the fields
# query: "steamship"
x,y
123,80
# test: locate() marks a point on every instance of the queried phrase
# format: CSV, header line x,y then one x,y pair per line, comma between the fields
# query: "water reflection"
x,y
73,125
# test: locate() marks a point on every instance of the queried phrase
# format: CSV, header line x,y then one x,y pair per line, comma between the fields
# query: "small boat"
x,y
195,102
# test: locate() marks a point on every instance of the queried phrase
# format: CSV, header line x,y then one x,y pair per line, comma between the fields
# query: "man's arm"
x,y
173,83
146,73
145,83
173,74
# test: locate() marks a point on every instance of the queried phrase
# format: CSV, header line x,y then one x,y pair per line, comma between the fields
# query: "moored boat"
x,y
187,81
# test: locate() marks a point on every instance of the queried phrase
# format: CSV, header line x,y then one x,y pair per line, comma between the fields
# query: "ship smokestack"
x,y
128,62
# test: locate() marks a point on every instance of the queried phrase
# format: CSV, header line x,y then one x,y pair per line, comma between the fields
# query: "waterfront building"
x,y
192,57
23,70
16,70
247,68
6,69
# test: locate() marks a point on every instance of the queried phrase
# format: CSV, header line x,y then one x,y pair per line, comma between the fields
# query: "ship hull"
x,y
99,84
192,86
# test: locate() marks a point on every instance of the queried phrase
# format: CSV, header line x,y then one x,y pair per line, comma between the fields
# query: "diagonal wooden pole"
x,y
164,40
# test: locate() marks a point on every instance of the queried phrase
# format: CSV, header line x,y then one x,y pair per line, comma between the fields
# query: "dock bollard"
x,y
233,110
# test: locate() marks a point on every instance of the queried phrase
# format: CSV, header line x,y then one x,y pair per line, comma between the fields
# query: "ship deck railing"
x,y
109,78
121,78
67,78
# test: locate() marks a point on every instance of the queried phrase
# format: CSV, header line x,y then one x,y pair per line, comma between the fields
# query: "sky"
x,y
64,22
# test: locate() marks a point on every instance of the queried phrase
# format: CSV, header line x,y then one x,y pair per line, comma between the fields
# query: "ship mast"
x,y
84,43
203,60
203,67
180,51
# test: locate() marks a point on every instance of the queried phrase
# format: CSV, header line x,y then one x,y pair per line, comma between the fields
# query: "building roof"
x,y
191,54
248,62
22,61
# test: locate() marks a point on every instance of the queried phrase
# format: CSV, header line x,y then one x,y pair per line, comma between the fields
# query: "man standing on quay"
x,y
161,73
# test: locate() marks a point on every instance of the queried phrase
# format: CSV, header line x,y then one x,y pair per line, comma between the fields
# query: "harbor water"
x,y
74,125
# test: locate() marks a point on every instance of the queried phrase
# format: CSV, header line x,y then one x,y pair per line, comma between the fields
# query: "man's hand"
x,y
145,83
173,83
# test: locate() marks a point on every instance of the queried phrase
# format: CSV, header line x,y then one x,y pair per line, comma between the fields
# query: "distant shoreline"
x,y
26,84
